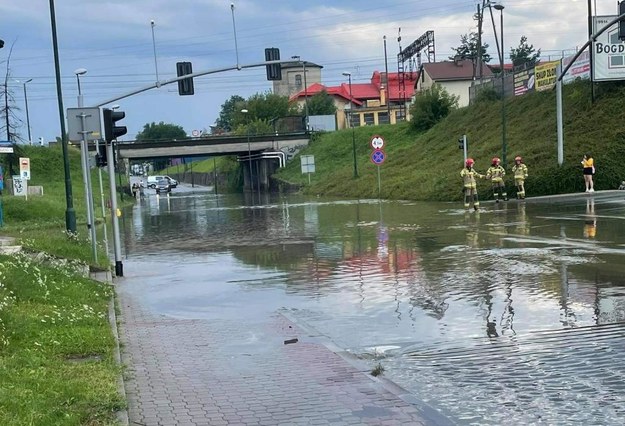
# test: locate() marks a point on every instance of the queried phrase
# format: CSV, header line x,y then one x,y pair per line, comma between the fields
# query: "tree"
x,y
321,104
261,108
9,120
269,106
524,54
153,131
228,109
431,106
468,48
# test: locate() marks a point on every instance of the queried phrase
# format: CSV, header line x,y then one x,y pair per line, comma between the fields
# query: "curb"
x,y
122,415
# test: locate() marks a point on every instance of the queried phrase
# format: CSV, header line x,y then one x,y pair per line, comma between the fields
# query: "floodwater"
x,y
511,315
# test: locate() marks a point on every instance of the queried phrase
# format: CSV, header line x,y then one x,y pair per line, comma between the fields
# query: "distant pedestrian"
x,y
470,185
134,189
495,174
520,174
588,164
141,189
622,185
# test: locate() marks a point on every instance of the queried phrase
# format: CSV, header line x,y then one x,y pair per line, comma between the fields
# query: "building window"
x,y
298,81
369,118
355,119
399,116
383,118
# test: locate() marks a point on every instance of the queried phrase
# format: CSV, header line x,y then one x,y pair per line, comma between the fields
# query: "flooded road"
x,y
512,315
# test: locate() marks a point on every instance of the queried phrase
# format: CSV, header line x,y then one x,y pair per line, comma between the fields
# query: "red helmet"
x,y
469,162
518,158
496,160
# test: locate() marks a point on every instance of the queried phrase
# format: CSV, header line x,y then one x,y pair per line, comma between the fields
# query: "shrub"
x,y
431,106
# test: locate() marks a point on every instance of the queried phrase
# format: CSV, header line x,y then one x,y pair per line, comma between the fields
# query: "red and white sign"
x,y
377,142
25,168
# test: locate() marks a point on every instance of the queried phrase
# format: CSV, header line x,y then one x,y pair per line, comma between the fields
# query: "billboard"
x,y
608,57
523,81
580,68
545,75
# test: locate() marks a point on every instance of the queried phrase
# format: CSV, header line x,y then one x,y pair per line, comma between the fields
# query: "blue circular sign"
x,y
378,156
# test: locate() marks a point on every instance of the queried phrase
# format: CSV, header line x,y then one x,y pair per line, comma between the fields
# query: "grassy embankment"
x,y
57,364
426,166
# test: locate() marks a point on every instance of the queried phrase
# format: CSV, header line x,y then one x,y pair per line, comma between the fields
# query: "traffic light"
x,y
185,87
111,131
274,71
461,143
621,22
101,158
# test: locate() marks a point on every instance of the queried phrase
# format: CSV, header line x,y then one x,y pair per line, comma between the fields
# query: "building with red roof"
x,y
371,101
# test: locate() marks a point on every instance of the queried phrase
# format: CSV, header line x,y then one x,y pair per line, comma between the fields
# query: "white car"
x,y
152,180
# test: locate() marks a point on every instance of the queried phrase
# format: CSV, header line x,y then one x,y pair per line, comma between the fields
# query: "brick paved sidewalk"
x,y
226,372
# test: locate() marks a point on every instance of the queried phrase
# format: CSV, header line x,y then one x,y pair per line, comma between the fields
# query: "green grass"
x,y
426,166
39,222
56,346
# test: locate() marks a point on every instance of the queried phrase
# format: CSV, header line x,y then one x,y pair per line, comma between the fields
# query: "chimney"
x,y
383,94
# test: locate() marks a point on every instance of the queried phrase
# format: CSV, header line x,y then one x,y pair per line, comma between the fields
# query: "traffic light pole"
x,y
195,74
119,267
105,239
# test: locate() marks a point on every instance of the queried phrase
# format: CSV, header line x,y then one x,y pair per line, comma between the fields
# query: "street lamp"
x,y
30,141
305,89
500,8
84,157
351,115
249,150
79,72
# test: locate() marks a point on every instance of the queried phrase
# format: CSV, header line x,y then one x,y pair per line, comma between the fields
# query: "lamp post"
x,y
388,89
84,157
500,8
351,114
249,150
30,141
70,213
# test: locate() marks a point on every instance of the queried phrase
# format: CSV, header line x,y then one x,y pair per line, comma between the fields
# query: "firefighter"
x,y
495,174
470,185
520,174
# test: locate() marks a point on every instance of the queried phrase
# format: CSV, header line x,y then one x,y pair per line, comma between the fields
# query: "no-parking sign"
x,y
377,157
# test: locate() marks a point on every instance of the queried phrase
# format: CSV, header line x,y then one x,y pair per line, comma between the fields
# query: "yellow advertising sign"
x,y
546,75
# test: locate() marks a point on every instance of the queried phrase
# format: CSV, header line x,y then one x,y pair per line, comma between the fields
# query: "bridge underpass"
x,y
263,154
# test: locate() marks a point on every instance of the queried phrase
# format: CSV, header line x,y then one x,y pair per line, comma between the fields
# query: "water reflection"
x,y
463,299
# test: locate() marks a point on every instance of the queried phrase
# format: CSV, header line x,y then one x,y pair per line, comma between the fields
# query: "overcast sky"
x,y
112,39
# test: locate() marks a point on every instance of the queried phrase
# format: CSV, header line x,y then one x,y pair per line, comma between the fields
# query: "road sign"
x,y
6,147
25,168
195,133
307,163
377,142
92,129
377,157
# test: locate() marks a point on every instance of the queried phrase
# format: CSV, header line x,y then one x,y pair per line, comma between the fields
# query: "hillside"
x,y
426,166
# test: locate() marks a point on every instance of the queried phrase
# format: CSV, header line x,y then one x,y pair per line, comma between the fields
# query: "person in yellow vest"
x,y
589,169
468,176
495,174
520,174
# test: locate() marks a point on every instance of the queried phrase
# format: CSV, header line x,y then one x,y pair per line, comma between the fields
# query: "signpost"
x,y
308,165
378,156
6,147
25,168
